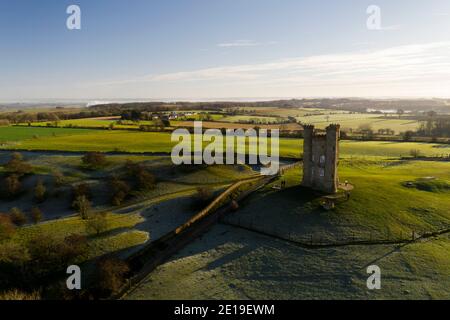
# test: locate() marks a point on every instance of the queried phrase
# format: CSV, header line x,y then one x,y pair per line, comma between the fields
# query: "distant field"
x,y
233,125
293,148
289,112
95,123
99,140
130,141
265,120
11,134
354,121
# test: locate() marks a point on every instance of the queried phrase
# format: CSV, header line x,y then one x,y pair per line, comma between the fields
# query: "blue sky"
x,y
223,49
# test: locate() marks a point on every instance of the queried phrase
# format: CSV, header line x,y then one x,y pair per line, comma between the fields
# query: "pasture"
x,y
354,121
15,134
236,261
135,141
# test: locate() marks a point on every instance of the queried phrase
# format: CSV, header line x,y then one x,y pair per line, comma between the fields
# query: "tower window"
x,y
322,159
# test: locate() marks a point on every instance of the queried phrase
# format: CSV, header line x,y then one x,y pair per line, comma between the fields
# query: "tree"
x,y
159,124
408,135
18,217
111,274
75,245
7,228
49,254
96,223
36,215
58,178
17,165
400,112
415,153
94,159
39,191
81,189
83,206
13,185
120,191
145,179
142,177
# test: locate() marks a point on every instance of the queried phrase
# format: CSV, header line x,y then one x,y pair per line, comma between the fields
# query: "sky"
x,y
223,49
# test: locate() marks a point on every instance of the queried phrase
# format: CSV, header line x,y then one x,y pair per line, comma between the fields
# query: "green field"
x,y
392,198
256,119
129,141
118,236
94,123
231,263
354,121
234,263
13,134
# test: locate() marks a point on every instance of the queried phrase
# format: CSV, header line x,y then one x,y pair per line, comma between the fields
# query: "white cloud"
x,y
418,68
244,43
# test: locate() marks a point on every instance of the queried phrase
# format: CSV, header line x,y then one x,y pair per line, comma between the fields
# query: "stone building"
x,y
321,158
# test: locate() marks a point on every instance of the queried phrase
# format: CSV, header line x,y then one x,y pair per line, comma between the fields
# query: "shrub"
x,y
17,165
111,274
18,217
58,178
81,190
7,228
39,191
17,295
83,206
141,176
36,215
96,224
13,185
49,254
120,191
94,159
75,245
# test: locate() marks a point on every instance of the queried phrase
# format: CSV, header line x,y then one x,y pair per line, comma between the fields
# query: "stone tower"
x,y
321,158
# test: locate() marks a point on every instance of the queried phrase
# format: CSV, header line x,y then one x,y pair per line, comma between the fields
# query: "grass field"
x,y
128,141
233,263
13,134
321,118
354,121
230,262
118,236
237,119
380,204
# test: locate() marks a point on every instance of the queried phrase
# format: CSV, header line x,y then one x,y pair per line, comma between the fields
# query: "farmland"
x,y
130,141
13,134
257,252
